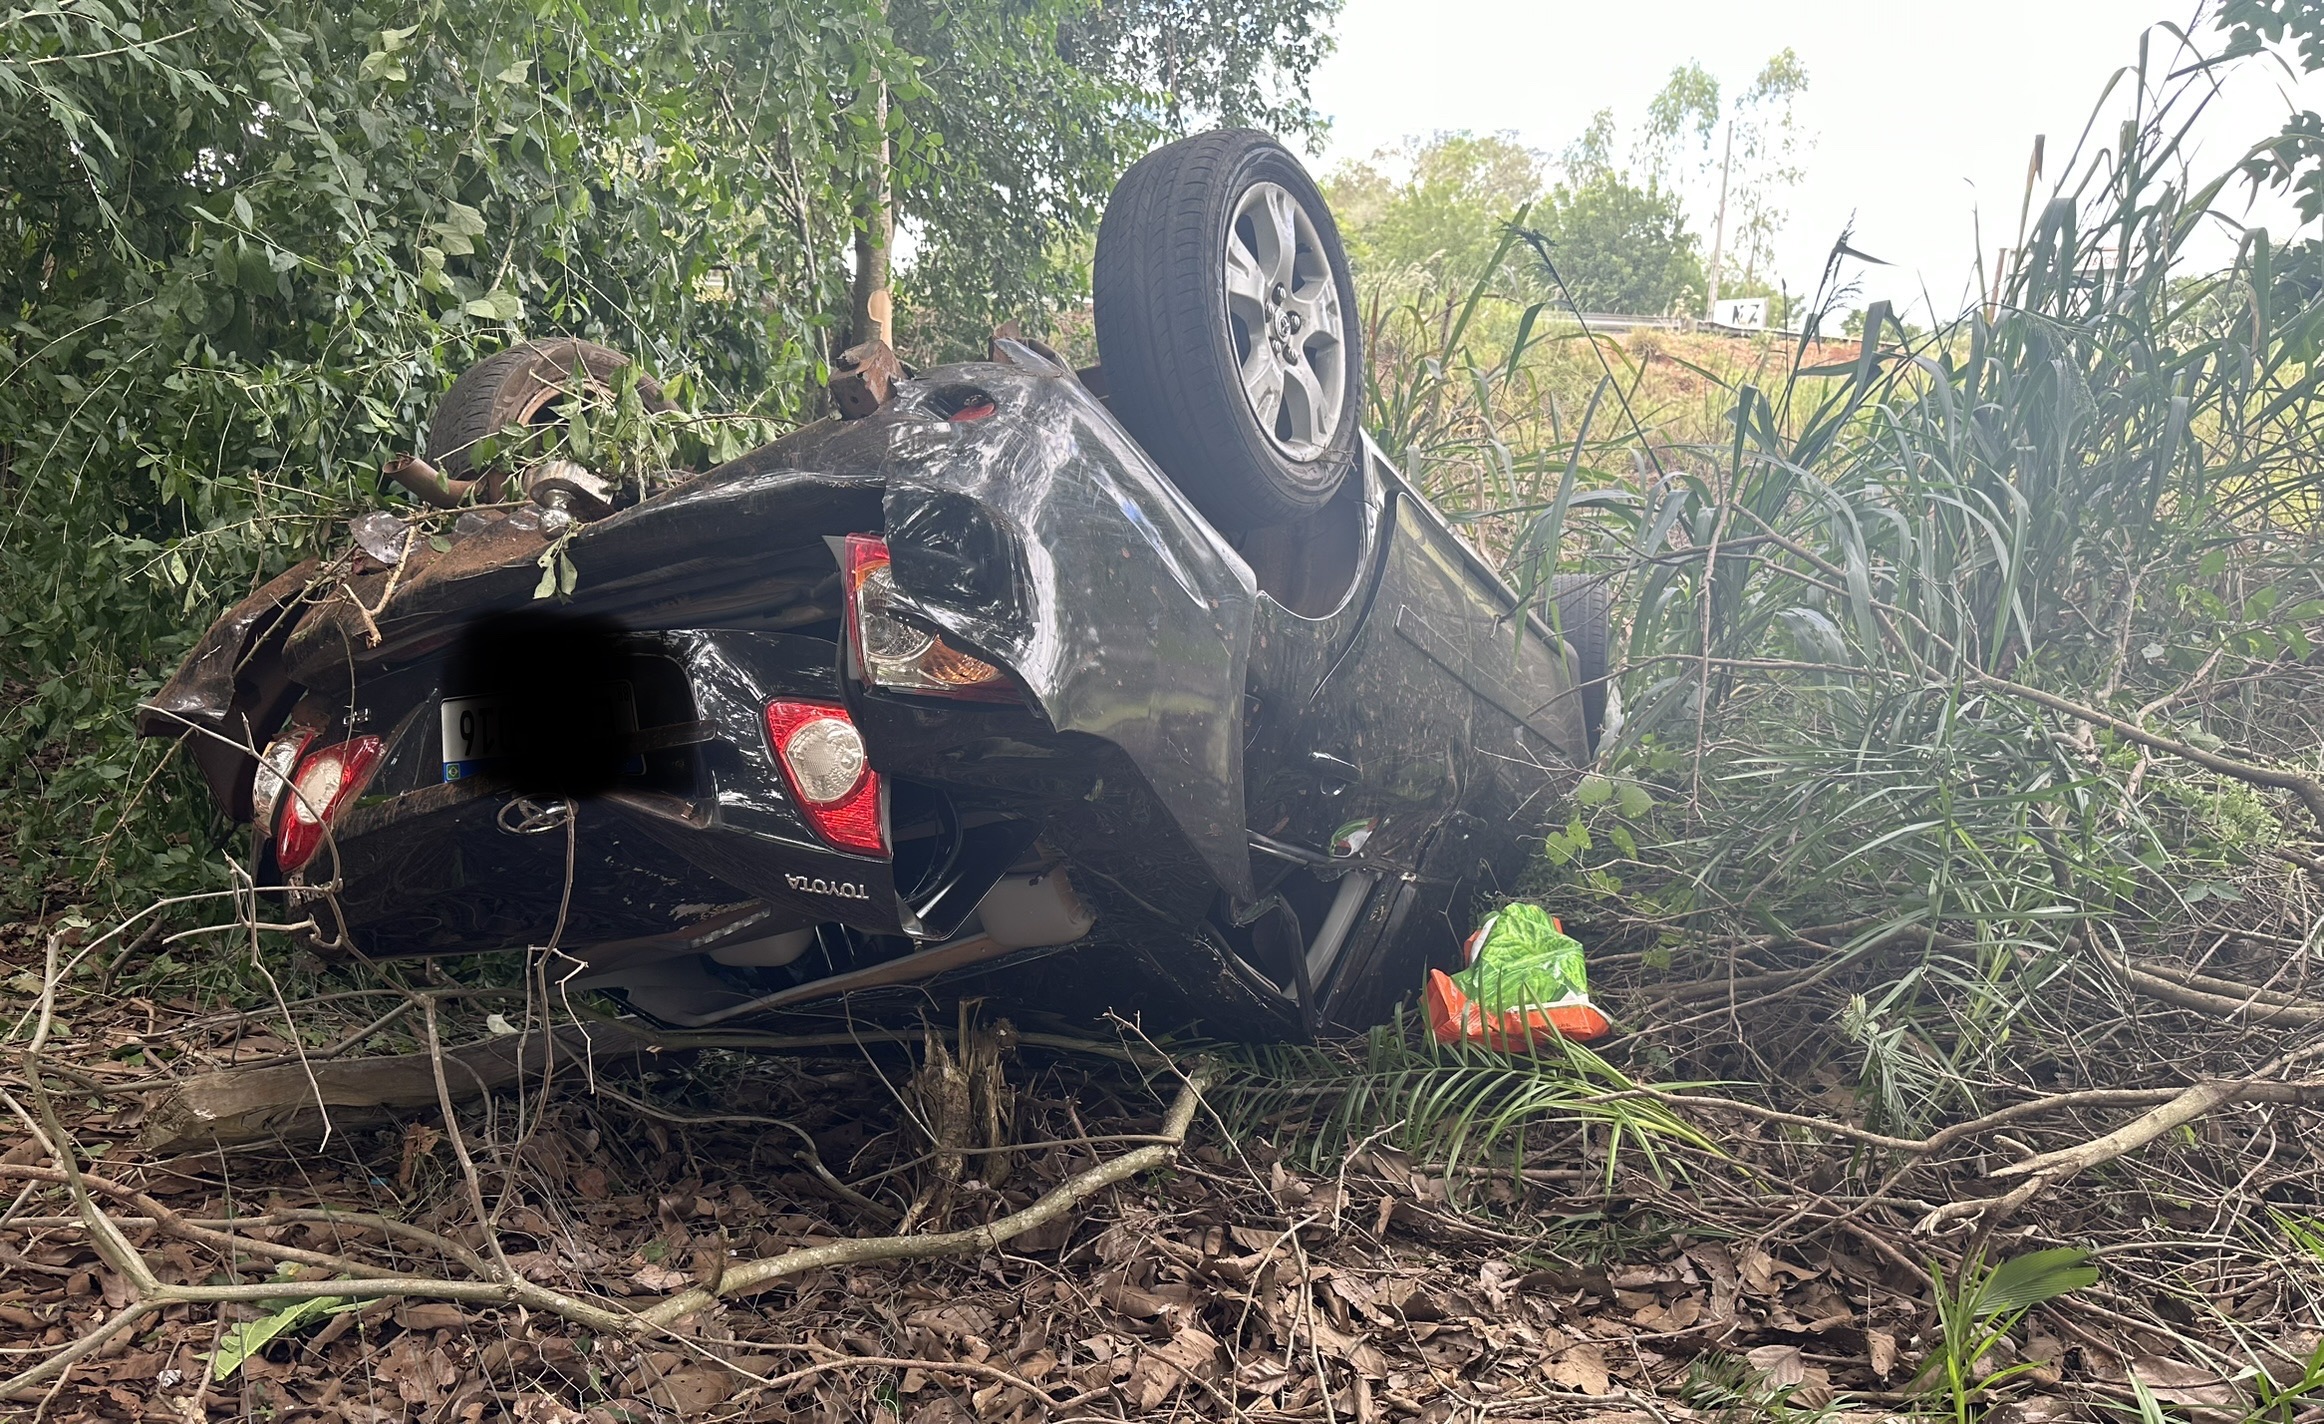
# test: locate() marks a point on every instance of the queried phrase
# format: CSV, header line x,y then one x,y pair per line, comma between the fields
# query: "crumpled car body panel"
x,y
1277,768
1044,540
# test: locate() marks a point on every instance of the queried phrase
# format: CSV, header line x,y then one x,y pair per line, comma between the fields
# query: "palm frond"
x,y
1444,1103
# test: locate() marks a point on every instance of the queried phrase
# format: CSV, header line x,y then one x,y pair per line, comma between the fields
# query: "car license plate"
x,y
482,733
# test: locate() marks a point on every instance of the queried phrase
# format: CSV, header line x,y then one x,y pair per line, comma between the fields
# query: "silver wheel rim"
x,y
1284,320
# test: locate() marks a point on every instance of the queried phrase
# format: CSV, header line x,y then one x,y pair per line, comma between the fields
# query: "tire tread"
x,y
1156,299
1584,614
491,394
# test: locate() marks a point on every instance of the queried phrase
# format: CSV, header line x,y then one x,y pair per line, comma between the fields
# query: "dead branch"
x,y
2313,865
905,1362
2197,1101
171,1222
501,1269
749,1276
512,1290
2309,790
279,1100
233,1106
808,1156
2046,1169
2251,1005
1946,1137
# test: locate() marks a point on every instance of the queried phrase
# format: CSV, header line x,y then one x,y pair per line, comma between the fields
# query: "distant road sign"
x,y
1747,313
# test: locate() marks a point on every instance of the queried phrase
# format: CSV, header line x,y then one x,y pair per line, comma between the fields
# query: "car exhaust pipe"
x,y
426,483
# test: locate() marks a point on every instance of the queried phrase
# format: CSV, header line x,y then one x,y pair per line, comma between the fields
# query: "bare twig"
x,y
750,1276
506,1287
2197,1101
905,1362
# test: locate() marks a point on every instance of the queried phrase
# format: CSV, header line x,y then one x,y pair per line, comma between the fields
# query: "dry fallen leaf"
x,y
2201,1392
1782,1368
2037,1409
1164,1369
1451,1348
1261,1374
1050,1235
941,1409
1580,1367
2288,1361
953,1324
419,1140
2047,1354
1881,1347
657,1277
1676,1315
430,1315
692,1390
1133,1302
1365,1357
996,1401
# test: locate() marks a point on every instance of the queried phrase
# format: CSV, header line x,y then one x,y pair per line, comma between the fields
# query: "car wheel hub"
x,y
1283,316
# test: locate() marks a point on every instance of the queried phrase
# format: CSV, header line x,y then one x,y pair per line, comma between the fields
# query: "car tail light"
x,y
897,656
822,758
273,777
326,780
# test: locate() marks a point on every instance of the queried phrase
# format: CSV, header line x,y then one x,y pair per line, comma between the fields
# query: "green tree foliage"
x,y
1188,63
2294,159
1769,147
256,242
1593,149
1444,214
287,229
1028,109
1620,247
1693,146
1679,139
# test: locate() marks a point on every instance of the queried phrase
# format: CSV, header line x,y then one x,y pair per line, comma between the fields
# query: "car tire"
x,y
1216,258
1585,605
519,386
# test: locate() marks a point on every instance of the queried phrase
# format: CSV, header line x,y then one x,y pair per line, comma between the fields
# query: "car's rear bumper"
x,y
696,819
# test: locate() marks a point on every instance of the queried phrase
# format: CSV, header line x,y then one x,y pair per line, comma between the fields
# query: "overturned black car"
x,y
1150,688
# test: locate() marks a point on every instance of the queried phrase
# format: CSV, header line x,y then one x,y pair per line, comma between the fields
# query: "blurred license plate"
x,y
481,734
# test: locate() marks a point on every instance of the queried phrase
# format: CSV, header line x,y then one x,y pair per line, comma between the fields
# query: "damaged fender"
x,y
233,689
1041,538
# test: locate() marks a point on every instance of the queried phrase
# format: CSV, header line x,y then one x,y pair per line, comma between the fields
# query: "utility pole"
x,y
1719,229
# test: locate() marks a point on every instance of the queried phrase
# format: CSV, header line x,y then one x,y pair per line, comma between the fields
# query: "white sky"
x,y
1923,115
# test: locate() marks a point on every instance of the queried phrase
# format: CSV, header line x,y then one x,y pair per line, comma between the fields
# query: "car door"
x,y
1417,739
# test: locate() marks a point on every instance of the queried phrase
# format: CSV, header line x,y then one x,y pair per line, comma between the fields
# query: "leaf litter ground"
x,y
1258,1278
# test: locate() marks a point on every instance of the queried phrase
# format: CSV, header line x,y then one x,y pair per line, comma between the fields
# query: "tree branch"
x,y
754,1275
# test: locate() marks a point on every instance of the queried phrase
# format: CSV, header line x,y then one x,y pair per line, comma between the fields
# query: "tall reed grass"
x,y
2105,484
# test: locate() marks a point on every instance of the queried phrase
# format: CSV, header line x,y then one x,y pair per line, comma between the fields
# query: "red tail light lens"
x,y
823,763
897,656
327,779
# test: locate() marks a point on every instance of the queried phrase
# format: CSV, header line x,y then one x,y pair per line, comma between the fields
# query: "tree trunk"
x,y
871,308
1719,232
